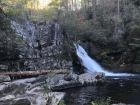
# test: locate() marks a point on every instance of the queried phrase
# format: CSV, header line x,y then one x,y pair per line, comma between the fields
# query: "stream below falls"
x,y
119,90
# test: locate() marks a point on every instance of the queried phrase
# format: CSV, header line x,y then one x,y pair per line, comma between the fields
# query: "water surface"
x,y
122,90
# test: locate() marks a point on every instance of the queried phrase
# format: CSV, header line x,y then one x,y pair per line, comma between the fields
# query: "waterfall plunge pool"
x,y
119,90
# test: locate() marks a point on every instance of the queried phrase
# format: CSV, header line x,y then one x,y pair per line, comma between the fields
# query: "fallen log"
x,y
24,74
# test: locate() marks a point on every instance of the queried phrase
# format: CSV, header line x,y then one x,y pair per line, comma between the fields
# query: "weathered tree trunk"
x,y
33,73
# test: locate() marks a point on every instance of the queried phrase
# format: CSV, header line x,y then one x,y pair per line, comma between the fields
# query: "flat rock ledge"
x,y
73,80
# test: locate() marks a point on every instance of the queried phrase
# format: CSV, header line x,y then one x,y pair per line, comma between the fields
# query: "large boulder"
x,y
4,78
74,80
89,78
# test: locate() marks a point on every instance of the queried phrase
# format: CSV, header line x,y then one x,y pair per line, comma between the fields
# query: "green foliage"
x,y
103,22
51,14
14,8
23,9
54,3
101,102
11,44
61,103
75,26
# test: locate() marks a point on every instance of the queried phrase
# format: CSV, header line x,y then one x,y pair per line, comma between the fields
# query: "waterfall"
x,y
91,65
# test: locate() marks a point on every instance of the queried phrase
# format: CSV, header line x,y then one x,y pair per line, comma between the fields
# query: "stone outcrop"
x,y
4,78
74,80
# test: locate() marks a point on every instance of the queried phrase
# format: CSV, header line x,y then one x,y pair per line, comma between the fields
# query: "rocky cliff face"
x,y
29,45
44,49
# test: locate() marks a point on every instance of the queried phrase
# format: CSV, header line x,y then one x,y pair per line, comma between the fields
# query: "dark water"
x,y
124,90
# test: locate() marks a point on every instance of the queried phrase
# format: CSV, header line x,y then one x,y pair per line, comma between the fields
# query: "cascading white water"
x,y
91,65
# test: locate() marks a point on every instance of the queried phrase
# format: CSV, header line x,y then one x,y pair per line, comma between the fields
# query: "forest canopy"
x,y
107,20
